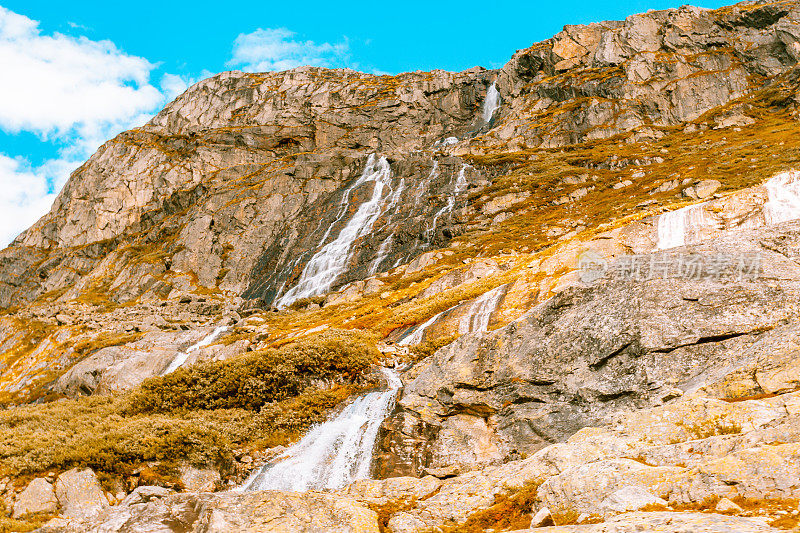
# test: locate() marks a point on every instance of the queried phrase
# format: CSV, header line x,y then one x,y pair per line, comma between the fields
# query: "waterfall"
x,y
674,227
424,185
331,260
784,198
335,453
491,104
480,311
386,245
205,341
383,251
460,186
416,336
476,317
685,226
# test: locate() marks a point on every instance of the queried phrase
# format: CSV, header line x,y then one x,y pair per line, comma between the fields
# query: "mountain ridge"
x,y
238,264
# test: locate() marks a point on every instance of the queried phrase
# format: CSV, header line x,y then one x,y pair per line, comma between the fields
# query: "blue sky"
x,y
76,73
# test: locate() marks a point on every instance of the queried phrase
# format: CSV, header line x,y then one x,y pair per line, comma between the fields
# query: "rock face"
x,y
79,494
589,352
264,189
248,512
38,497
249,225
648,71
615,359
243,178
692,450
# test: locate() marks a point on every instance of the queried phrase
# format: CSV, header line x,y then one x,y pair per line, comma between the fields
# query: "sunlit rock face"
x,y
451,219
239,179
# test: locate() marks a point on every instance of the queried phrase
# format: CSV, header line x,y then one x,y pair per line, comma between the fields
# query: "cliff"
x,y
442,223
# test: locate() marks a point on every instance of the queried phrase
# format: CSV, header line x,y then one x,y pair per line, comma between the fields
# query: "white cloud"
x,y
276,49
73,91
27,194
55,83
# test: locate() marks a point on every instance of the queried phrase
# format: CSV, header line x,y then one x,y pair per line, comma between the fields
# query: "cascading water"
x,y
331,260
335,453
205,341
476,317
684,226
491,104
672,226
386,245
460,186
784,198
416,336
423,186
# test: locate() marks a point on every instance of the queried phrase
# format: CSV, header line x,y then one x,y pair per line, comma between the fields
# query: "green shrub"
x,y
251,381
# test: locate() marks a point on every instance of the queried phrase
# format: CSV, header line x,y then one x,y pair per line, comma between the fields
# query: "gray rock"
x,y
38,497
199,480
79,493
727,506
591,351
266,511
629,498
672,522
145,494
705,188
542,518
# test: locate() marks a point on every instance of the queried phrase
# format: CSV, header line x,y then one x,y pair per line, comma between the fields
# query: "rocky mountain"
x,y
584,267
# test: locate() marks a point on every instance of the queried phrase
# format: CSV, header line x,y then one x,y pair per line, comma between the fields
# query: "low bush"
x,y
260,400
253,380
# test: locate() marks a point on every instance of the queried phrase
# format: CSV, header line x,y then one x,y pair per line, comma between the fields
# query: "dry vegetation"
x,y
193,416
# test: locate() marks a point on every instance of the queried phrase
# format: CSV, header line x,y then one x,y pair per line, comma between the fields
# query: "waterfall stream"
x,y
205,341
784,198
682,226
386,245
460,186
335,453
330,261
491,104
673,226
475,318
480,312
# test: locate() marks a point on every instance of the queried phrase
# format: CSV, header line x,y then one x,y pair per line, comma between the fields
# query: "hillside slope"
x,y
234,267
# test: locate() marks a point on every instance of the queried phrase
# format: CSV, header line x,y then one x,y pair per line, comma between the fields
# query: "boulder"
x,y
79,493
199,480
248,512
629,498
542,518
727,506
38,497
145,494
